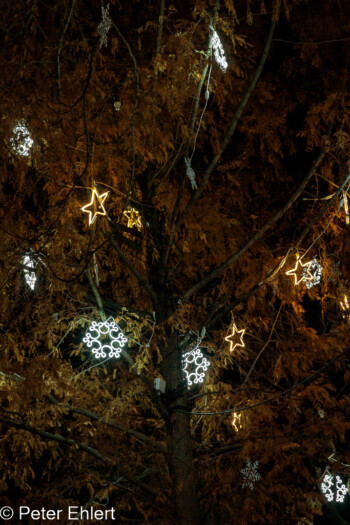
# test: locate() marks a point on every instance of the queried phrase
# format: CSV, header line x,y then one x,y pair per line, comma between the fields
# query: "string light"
x,y
105,338
134,218
305,276
194,366
219,52
340,489
30,277
93,204
21,141
236,422
250,474
237,335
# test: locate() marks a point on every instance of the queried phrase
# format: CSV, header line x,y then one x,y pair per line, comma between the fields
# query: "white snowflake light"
x,y
104,26
30,277
316,271
219,52
105,338
194,366
21,141
250,474
340,489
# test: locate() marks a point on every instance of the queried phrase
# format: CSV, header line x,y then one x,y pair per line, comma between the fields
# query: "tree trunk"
x,y
179,440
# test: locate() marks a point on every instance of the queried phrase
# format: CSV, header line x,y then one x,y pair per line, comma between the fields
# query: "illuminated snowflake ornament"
x,y
340,489
104,26
29,276
316,271
219,52
105,338
250,474
194,366
21,141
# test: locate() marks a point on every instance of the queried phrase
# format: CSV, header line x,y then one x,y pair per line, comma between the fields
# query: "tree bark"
x,y
179,441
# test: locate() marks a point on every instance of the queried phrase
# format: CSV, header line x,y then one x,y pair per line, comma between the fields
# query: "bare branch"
x,y
230,132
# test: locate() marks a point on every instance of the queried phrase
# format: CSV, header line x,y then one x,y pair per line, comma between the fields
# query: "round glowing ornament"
x,y
194,366
105,338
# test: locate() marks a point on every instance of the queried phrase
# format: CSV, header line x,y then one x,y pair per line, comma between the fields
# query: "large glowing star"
x,y
301,274
105,338
236,338
134,218
95,204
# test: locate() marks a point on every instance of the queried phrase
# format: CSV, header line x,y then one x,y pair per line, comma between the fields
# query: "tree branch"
x,y
232,128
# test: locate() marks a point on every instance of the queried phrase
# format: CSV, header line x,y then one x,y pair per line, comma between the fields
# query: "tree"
x,y
218,179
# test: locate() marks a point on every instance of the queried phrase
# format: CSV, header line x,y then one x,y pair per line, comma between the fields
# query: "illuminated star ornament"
x,y
134,218
95,205
236,338
339,491
301,272
219,52
105,338
194,366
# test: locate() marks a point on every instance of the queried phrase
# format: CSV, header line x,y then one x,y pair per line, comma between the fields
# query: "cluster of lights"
x,y
105,338
95,205
194,366
134,218
339,492
219,52
29,276
316,271
21,141
250,474
236,338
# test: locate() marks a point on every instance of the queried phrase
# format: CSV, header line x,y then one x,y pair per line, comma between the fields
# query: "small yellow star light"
x,y
236,422
305,275
134,218
236,338
93,212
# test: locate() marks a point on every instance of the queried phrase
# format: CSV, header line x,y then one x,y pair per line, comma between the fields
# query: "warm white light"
x,y
219,52
305,276
94,206
236,338
194,366
250,474
21,140
30,277
105,338
236,421
344,305
316,271
134,218
340,489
